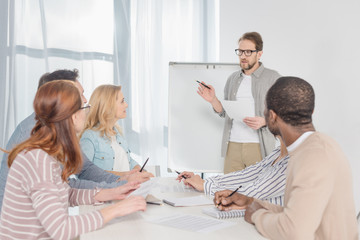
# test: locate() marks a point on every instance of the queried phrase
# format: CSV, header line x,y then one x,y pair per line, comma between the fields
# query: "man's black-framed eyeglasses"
x,y
247,52
86,106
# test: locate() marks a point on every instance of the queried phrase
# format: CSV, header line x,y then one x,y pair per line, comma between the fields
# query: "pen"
x,y
203,84
153,203
180,173
231,194
234,191
144,164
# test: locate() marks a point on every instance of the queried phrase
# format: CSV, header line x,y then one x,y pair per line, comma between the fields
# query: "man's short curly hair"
x,y
292,99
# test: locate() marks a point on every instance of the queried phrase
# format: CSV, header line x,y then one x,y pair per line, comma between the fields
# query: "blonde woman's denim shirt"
x,y
98,149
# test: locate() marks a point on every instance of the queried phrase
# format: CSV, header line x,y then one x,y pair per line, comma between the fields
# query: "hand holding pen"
x,y
207,92
234,191
184,175
228,200
180,175
203,84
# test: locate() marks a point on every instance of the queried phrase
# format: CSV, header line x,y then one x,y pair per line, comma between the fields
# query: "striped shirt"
x,y
262,181
36,201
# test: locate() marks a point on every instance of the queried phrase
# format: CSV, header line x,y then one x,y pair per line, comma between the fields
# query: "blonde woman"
x,y
102,140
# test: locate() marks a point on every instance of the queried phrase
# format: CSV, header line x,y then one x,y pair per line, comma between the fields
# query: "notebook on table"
x,y
216,213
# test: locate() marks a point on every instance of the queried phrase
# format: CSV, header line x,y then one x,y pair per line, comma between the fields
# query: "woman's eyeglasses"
x,y
86,107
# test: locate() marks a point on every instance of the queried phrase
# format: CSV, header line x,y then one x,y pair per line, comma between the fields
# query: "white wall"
x,y
317,41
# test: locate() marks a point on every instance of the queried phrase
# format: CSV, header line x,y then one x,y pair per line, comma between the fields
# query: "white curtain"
x,y
43,36
126,42
162,32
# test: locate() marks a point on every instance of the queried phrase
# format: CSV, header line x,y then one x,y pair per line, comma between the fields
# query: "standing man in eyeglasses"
x,y
245,141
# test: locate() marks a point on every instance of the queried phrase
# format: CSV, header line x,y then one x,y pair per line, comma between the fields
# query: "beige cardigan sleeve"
x,y
269,206
307,195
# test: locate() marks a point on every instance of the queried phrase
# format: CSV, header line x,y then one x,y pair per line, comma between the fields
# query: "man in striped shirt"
x,y
265,180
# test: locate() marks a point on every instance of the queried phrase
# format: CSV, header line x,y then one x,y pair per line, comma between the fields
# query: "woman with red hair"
x,y
37,195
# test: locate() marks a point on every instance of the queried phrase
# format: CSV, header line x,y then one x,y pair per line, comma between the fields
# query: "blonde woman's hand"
x,y
139,176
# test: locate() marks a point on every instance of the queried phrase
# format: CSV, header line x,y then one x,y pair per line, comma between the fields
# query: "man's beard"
x,y
250,66
274,131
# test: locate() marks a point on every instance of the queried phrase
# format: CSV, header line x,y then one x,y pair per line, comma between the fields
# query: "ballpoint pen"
x,y
234,191
180,173
154,203
203,84
231,194
144,164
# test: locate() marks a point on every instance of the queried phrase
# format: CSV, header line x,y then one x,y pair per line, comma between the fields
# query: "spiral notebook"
x,y
216,213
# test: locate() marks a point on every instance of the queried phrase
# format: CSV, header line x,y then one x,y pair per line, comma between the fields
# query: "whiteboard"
x,y
195,131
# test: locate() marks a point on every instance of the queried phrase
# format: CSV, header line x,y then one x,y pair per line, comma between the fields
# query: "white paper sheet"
x,y
239,109
192,223
175,187
189,201
145,188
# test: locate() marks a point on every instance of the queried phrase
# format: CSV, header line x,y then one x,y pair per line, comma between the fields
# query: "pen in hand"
x,y
233,192
180,173
203,84
144,164
153,203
